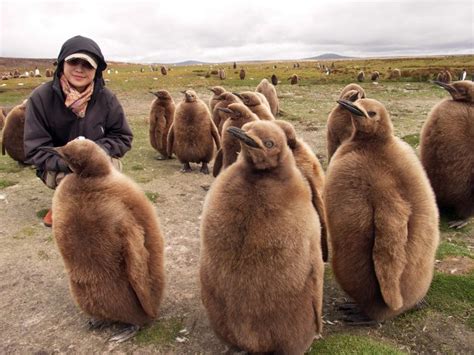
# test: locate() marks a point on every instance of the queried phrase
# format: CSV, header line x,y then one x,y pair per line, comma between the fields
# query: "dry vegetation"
x,y
37,313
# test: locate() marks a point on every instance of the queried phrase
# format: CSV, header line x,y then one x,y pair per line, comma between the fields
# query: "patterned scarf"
x,y
75,100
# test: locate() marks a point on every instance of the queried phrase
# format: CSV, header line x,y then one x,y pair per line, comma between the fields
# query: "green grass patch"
x,y
25,233
42,213
137,167
446,249
351,344
152,196
6,183
412,139
453,295
163,332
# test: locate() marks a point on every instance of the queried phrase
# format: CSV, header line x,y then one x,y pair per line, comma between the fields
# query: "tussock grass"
x,y
162,332
351,344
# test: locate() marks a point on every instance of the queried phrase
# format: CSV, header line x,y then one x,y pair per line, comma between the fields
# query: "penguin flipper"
x,y
136,264
216,169
319,207
216,136
391,234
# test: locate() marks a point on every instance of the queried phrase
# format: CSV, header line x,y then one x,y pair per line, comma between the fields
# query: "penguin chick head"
x,y
290,132
369,117
84,157
237,112
459,90
249,98
263,144
352,95
352,87
189,95
161,95
217,90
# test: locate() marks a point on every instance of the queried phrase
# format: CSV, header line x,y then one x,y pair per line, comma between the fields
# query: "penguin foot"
x,y
360,321
421,304
161,157
125,333
93,324
186,168
349,307
353,315
458,224
204,168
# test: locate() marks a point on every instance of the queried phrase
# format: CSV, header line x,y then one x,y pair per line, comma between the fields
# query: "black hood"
x,y
85,45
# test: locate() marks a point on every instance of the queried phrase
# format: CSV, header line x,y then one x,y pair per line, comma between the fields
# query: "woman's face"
x,y
79,73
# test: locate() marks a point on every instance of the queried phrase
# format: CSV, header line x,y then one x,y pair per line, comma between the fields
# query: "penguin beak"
x,y
55,151
451,89
351,107
225,109
238,95
242,136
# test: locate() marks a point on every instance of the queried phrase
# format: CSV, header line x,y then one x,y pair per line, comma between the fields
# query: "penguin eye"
x,y
371,113
269,144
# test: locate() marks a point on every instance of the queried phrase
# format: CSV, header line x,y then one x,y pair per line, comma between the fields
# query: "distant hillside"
x,y
328,56
189,62
23,64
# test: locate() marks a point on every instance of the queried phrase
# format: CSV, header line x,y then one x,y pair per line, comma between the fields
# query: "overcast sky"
x,y
232,30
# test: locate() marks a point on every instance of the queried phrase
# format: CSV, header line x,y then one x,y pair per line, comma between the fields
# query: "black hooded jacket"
x,y
49,123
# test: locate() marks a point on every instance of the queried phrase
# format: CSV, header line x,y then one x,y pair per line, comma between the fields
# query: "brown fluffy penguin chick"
x,y
339,123
239,114
161,118
261,268
12,135
312,170
223,100
109,238
253,101
268,90
216,91
447,151
192,134
381,216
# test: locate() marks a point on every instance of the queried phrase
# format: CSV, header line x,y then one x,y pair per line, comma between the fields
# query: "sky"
x,y
156,31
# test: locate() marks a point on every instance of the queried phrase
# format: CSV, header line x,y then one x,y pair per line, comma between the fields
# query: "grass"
x,y
42,213
162,332
412,139
152,196
343,344
446,249
6,183
453,295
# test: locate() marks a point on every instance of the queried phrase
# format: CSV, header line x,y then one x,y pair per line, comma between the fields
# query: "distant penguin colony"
x,y
269,91
12,135
361,76
293,79
239,114
261,268
254,102
164,70
395,74
375,76
161,118
108,235
447,153
193,134
382,216
339,123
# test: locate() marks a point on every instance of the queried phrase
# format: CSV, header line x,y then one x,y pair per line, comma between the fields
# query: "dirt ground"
x,y
37,314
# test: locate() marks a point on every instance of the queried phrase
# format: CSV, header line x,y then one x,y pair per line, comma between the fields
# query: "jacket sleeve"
x,y
118,136
36,135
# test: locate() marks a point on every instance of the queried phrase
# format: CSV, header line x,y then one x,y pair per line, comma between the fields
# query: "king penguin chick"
x,y
239,114
192,134
253,101
447,151
339,123
223,100
216,91
12,140
381,216
268,90
161,118
261,268
313,172
109,238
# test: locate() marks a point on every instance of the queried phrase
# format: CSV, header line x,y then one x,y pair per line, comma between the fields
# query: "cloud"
x,y
215,31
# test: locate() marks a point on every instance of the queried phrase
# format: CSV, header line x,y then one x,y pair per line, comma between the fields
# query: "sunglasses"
x,y
77,61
